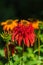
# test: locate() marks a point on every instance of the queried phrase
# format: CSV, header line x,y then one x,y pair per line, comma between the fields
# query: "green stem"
x,y
8,54
35,45
39,45
23,53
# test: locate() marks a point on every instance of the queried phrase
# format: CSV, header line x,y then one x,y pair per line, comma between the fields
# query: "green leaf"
x,y
1,52
33,62
41,37
30,50
19,48
6,37
11,63
1,63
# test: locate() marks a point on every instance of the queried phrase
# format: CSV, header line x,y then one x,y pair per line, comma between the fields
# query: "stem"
x,y
35,45
23,52
39,45
8,55
23,48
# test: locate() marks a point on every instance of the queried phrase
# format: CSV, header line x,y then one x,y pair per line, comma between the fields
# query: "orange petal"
x,y
35,25
5,27
3,23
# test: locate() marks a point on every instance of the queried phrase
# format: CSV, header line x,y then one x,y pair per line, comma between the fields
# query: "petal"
x,y
26,41
32,38
5,27
16,37
13,37
3,23
20,40
8,27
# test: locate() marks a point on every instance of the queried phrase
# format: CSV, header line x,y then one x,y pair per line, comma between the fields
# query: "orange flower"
x,y
25,22
9,24
35,24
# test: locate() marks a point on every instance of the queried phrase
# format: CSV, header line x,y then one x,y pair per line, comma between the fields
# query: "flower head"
x,y
9,24
25,34
36,23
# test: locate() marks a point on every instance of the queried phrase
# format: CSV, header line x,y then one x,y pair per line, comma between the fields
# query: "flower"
x,y
25,22
36,23
25,34
9,24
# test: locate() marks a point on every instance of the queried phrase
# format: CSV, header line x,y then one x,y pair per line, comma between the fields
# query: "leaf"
x,y
11,63
33,62
41,49
24,58
35,50
16,58
41,46
1,52
41,37
6,37
30,50
1,63
19,48
16,63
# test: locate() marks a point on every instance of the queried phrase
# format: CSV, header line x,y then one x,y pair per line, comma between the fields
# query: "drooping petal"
x,y
26,41
32,38
13,35
3,23
5,27
20,40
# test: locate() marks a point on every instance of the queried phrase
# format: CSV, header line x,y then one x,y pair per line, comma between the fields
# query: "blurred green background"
x,y
22,9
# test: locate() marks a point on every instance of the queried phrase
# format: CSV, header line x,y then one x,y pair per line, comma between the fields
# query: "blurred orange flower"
x,y
9,24
35,24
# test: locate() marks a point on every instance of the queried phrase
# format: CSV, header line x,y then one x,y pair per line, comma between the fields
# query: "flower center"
x,y
9,22
25,22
